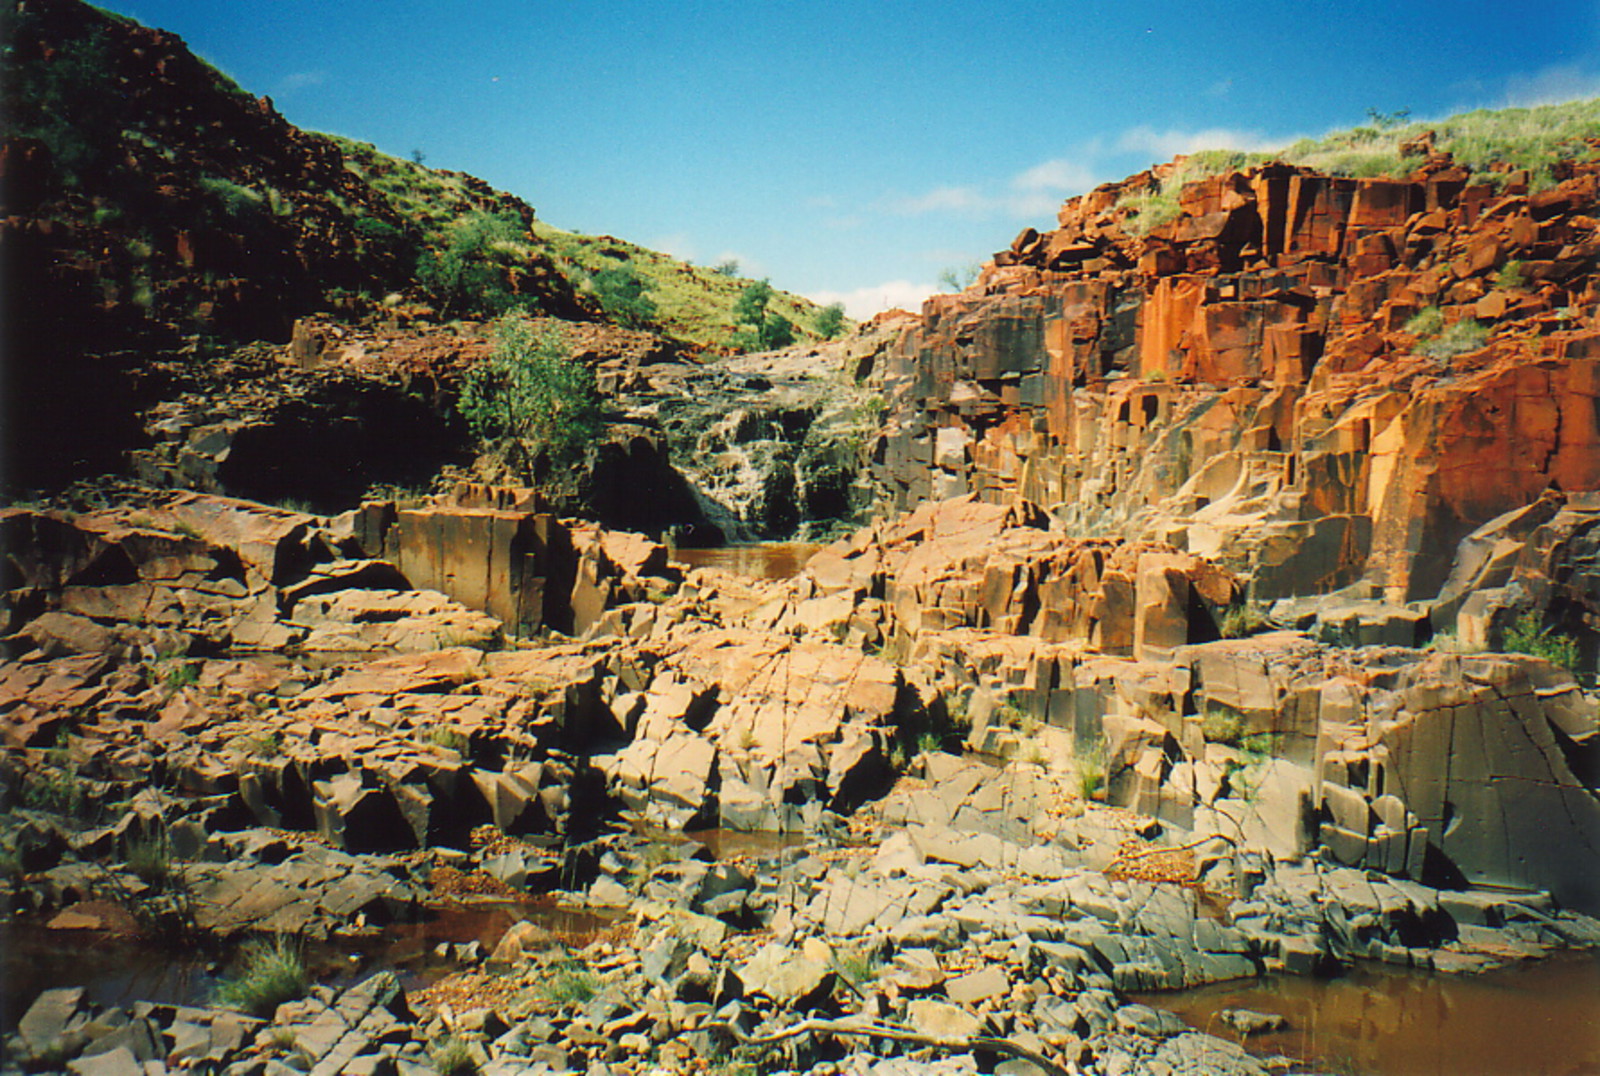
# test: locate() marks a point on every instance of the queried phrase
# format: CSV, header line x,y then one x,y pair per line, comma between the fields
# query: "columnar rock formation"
x,y
1242,382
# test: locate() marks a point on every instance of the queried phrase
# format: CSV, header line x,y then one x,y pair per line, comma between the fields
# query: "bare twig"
x,y
876,1030
1124,857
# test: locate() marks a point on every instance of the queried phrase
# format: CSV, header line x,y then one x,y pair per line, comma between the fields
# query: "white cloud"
x,y
1219,89
1034,192
1553,85
677,245
862,303
943,200
1061,174
1171,142
301,80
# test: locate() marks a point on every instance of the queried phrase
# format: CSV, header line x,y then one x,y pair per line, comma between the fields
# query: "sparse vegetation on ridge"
x,y
692,303
1488,142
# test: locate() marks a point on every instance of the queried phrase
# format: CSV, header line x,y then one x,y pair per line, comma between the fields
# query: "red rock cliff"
x,y
1241,381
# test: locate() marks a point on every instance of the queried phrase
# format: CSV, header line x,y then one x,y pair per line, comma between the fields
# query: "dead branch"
x,y
875,1030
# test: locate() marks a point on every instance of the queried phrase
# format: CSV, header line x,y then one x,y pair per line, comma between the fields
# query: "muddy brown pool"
x,y
764,560
1541,1018
119,969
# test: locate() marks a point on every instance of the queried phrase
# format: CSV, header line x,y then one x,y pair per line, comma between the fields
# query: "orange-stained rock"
x,y
1246,381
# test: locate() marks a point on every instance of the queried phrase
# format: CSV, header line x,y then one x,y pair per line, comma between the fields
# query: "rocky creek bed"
x,y
225,720
954,939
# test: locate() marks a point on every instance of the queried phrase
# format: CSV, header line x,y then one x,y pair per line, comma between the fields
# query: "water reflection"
x,y
119,968
115,969
1538,1019
765,560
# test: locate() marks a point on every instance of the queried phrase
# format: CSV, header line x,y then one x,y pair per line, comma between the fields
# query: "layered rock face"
x,y
704,699
1242,382
1448,767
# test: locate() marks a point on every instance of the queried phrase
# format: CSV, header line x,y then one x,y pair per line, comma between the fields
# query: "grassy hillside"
x,y
684,301
692,303
161,200
1491,142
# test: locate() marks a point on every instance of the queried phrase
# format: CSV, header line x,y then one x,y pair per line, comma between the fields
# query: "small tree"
x,y
728,267
768,330
959,277
830,323
776,331
751,306
468,274
623,296
531,399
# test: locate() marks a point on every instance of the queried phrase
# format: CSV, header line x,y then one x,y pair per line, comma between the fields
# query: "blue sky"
x,y
852,151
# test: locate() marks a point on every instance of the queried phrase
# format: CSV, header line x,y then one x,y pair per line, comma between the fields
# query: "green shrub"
x,y
181,674
234,200
57,789
830,323
150,859
267,744
67,99
1091,770
768,330
751,306
858,967
1426,322
1260,746
567,984
1457,339
1510,276
449,739
941,726
270,973
1222,726
623,296
451,1056
470,274
1526,636
776,331
1242,620
1150,209
378,231
531,397
1214,162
